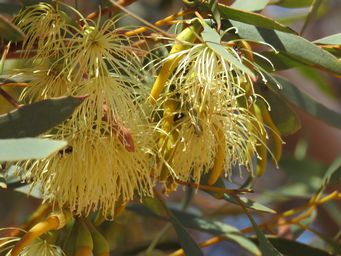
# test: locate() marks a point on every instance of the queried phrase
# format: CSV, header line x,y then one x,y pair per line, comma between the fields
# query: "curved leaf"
x,y
308,104
293,3
9,31
332,39
250,5
251,18
296,46
216,228
189,246
33,119
28,148
293,248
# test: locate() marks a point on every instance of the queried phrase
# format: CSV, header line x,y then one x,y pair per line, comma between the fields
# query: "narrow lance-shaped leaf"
x,y
212,39
334,167
189,246
251,18
9,31
294,248
34,119
250,5
332,39
216,228
308,104
282,113
293,3
28,148
265,246
296,46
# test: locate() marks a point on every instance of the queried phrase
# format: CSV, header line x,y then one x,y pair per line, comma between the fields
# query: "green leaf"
x,y
332,169
335,246
212,39
9,8
157,206
250,5
294,248
265,246
28,148
255,19
34,119
189,246
9,31
250,204
216,228
282,114
308,104
293,3
296,46
332,39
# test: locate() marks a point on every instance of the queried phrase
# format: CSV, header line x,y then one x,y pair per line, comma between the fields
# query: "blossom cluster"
x,y
201,117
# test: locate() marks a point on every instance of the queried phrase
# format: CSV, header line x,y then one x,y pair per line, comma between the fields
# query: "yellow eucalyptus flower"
x,y
208,90
45,27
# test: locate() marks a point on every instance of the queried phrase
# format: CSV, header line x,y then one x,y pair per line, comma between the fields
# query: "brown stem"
x,y
111,9
9,98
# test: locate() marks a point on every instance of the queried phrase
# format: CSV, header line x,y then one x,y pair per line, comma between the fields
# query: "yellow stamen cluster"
x,y
207,129
107,159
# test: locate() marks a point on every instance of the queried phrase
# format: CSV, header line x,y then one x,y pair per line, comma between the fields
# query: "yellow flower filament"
x,y
219,160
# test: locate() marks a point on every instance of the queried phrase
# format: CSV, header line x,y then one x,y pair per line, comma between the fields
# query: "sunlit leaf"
x,y
28,148
36,118
251,18
212,39
293,3
332,39
293,45
249,204
250,5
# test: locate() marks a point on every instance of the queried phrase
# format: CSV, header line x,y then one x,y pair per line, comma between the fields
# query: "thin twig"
x,y
9,98
111,9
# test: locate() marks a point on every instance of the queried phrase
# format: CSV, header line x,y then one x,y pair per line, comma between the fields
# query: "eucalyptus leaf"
x,y
250,204
9,31
332,39
189,246
265,246
251,18
212,39
216,228
297,47
308,104
293,3
282,114
332,169
294,248
9,8
33,119
250,5
28,148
